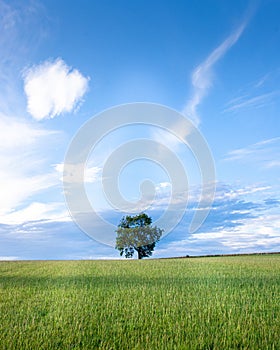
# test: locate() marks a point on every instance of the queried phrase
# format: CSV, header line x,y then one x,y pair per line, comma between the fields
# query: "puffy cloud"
x,y
53,88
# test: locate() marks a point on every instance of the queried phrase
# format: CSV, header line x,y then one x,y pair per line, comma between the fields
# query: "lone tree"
x,y
136,233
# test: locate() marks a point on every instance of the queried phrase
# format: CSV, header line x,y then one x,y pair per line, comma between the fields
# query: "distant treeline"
x,y
219,255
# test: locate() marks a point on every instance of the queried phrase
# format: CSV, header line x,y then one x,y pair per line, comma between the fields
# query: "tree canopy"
x,y
136,233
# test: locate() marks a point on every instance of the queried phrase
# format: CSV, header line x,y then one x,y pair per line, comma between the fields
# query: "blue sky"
x,y
216,62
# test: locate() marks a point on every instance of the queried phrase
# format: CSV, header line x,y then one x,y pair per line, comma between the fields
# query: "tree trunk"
x,y
139,253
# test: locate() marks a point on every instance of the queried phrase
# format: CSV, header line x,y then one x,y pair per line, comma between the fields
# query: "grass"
x,y
203,303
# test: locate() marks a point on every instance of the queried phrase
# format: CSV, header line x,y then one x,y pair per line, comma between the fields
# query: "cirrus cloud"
x,y
53,88
202,75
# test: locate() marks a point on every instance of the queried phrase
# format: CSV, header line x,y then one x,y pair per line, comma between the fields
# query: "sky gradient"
x,y
215,62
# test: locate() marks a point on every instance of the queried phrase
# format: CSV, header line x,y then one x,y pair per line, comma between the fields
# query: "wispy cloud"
x,y
273,164
17,43
53,88
23,172
237,223
169,140
251,234
91,173
37,211
259,93
25,147
50,240
9,258
16,132
226,193
262,80
265,153
203,74
246,102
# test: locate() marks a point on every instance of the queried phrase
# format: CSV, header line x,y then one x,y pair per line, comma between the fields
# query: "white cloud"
x,y
230,193
19,187
245,102
236,225
164,186
37,211
256,233
72,171
273,164
8,258
202,75
245,221
240,221
53,88
265,153
255,94
167,139
262,80
18,42
17,133
22,167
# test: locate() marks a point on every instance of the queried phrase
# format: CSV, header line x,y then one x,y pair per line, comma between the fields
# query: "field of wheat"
x,y
195,303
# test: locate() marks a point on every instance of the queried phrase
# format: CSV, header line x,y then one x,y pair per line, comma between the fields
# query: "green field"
x,y
200,303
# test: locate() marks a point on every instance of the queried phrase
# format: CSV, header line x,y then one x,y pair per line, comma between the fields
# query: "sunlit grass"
x,y
202,303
